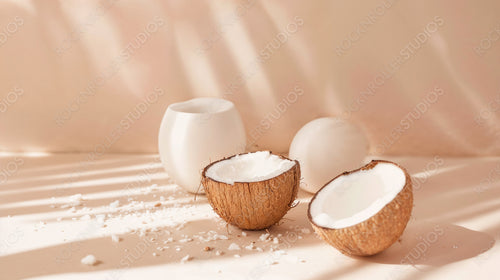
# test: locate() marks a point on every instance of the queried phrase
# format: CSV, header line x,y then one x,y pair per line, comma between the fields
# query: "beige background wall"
x,y
420,77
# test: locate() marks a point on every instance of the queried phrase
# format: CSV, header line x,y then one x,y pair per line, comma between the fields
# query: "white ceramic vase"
x,y
196,132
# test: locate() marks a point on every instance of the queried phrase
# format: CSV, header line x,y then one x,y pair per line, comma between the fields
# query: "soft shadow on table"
x,y
425,245
434,244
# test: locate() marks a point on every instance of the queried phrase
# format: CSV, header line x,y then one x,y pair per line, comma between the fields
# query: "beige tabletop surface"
x,y
126,211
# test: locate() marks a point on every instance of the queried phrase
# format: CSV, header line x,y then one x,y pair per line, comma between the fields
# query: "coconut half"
x,y
364,211
252,191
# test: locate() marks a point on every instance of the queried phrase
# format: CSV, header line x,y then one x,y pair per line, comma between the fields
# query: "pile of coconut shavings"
x,y
212,243
142,217
275,244
140,214
130,216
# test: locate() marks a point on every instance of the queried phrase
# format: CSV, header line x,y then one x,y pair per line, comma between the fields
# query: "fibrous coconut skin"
x,y
377,233
253,205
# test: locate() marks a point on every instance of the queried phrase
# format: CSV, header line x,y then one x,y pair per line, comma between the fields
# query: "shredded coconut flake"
x,y
234,247
264,237
250,247
114,204
89,260
186,258
115,238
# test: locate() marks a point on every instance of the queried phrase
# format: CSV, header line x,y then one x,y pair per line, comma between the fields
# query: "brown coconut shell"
x,y
253,205
377,233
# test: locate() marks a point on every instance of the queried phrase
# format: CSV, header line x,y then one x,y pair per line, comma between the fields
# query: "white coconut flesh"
x,y
353,198
251,167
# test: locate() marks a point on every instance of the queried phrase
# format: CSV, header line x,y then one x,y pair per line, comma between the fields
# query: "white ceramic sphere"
x,y
196,132
326,147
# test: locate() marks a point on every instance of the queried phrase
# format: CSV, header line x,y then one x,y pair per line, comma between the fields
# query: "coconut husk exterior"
x,y
253,205
379,232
